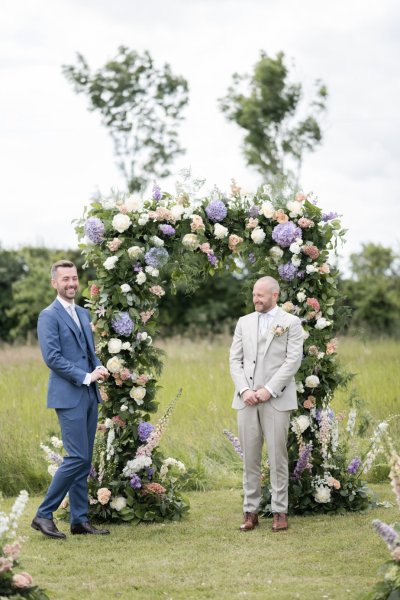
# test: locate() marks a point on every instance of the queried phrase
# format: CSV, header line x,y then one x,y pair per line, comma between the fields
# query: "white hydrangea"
x,y
322,494
110,262
220,232
121,222
258,235
296,260
312,381
276,253
300,424
140,278
125,288
311,269
267,209
118,503
114,345
322,323
143,219
190,241
114,364
135,252
295,248
152,271
299,387
177,211
156,241
126,346
134,204
135,465
301,296
295,208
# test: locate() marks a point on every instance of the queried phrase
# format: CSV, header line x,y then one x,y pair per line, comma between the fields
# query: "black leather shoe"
x,y
87,528
48,528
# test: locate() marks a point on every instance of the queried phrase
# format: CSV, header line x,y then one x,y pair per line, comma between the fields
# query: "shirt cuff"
x,y
87,381
270,391
243,390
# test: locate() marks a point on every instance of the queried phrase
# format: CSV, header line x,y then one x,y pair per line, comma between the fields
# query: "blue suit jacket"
x,y
66,355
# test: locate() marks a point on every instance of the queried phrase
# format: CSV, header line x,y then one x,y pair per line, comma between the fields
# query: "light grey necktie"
x,y
72,312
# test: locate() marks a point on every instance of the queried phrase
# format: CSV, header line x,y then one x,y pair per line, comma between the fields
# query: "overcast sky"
x,y
54,153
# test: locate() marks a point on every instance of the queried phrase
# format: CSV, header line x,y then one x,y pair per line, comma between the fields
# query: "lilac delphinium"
x,y
156,257
150,472
135,482
234,441
329,216
122,324
216,211
212,259
254,211
251,258
354,465
287,271
92,472
285,234
167,229
156,193
137,267
302,462
144,430
387,533
300,275
94,230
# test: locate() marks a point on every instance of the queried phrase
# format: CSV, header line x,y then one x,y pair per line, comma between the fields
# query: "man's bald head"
x,y
265,293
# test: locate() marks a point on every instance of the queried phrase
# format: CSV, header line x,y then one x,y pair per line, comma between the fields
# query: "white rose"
x,y
110,262
220,231
177,211
140,278
126,346
152,271
296,260
121,222
258,235
190,241
322,494
299,387
144,335
125,288
114,364
135,252
322,323
311,269
312,381
143,219
134,204
295,208
267,209
137,394
114,346
295,248
156,241
301,296
276,252
118,503
300,423
124,408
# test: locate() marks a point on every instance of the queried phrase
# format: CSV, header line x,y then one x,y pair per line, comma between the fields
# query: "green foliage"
x,y
141,106
11,269
267,106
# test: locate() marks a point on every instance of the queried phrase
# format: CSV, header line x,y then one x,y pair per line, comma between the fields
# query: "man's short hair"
x,y
60,263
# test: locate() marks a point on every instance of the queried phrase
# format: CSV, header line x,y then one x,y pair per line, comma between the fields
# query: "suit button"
x,y
251,378
83,356
254,362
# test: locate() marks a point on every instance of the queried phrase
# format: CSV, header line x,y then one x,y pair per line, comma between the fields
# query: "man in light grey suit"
x,y
265,355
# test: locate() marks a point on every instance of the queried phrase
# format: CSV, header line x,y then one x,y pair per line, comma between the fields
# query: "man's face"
x,y
66,282
263,298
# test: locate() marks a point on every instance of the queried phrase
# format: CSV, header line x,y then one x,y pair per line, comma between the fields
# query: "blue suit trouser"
x,y
78,429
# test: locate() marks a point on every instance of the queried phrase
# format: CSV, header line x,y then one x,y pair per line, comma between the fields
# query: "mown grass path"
x,y
205,556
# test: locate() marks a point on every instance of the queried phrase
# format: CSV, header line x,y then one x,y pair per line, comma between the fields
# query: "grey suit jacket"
x,y
282,358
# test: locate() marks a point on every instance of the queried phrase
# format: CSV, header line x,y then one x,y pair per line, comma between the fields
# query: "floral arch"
x,y
130,242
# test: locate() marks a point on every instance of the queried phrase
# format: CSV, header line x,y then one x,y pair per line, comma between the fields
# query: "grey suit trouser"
x,y
254,424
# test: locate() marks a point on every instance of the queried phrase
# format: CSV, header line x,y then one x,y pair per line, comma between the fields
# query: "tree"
x,y
268,109
141,106
11,269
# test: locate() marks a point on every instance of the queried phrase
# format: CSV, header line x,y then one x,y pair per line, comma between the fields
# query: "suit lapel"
x,y
62,313
85,324
253,331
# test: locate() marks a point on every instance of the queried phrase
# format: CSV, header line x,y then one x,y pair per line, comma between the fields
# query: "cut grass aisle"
x,y
205,556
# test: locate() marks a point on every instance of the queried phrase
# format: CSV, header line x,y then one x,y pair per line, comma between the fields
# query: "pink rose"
x,y
5,564
324,268
252,224
313,303
305,223
311,251
123,209
233,241
157,290
103,495
142,379
118,421
331,346
114,244
309,402
197,223
124,374
94,290
12,550
22,580
206,248
146,315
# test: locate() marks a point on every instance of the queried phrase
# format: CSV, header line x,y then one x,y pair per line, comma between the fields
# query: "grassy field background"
x,y
195,433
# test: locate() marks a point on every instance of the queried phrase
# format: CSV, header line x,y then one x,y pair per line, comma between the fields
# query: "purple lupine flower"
x,y
254,211
150,472
354,465
144,430
137,267
156,257
251,258
329,216
92,472
212,259
216,211
330,414
285,234
387,533
94,230
167,229
234,441
287,271
302,462
135,482
122,324
156,193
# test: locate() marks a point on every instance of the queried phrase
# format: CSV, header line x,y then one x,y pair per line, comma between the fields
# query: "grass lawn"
x,y
205,556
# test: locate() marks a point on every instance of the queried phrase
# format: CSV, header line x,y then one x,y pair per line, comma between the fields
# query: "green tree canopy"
x,y
278,129
141,106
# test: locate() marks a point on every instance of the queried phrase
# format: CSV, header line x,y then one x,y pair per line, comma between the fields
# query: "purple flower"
x,y
150,472
212,259
156,257
285,234
137,267
122,324
287,271
302,462
135,482
329,216
251,258
331,415
216,211
94,230
167,229
387,533
55,458
234,441
92,472
254,211
144,430
300,275
354,465
157,193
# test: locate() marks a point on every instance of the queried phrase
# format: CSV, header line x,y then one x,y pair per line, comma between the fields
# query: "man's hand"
x,y
263,395
100,373
249,398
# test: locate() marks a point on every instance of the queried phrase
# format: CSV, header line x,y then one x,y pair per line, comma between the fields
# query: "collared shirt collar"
x,y
64,303
272,312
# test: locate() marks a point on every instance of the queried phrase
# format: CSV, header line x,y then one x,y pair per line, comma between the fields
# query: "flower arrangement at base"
x,y
15,583
130,242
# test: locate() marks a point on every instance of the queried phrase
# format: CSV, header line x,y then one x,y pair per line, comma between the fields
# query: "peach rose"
x,y
311,251
332,482
235,189
197,223
12,550
155,488
123,209
300,197
146,315
313,302
288,306
22,580
280,216
305,223
331,346
309,402
103,495
142,379
252,223
233,241
206,248
324,268
103,394
114,244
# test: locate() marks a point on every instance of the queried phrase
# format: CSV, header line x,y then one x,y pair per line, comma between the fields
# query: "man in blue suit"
x,y
66,341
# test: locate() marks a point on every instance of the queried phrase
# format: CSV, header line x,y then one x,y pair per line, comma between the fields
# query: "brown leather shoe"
x,y
250,521
280,522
